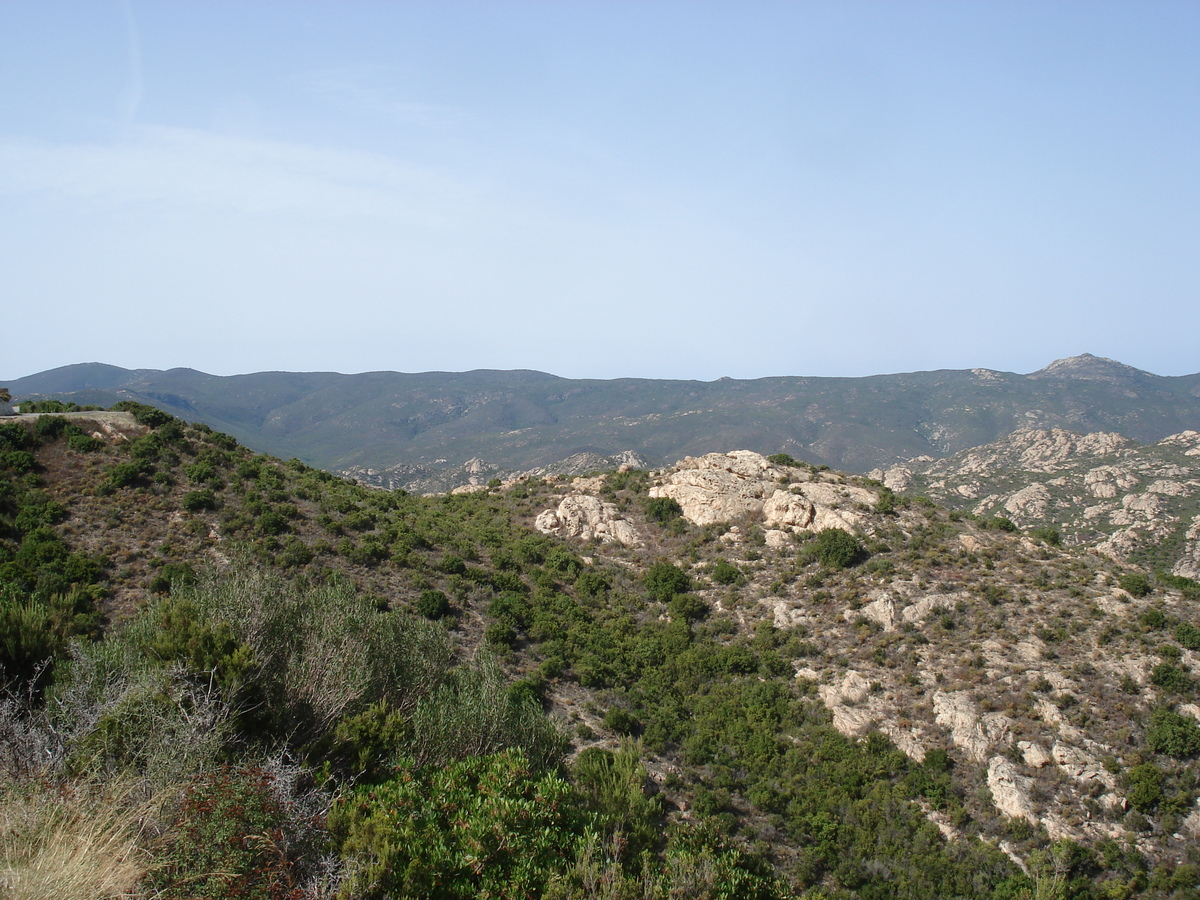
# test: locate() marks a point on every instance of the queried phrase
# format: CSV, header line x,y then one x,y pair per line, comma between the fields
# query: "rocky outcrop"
x,y
1098,489
976,734
587,517
1010,790
726,487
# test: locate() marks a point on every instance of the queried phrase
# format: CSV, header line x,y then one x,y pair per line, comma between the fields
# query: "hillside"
x,y
429,431
733,676
1133,502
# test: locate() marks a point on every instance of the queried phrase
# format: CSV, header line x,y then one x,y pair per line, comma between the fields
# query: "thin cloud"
x,y
186,166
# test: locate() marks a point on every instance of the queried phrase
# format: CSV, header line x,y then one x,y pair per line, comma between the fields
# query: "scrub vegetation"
x,y
225,675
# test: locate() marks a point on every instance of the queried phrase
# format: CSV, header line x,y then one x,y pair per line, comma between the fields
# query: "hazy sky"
x,y
599,189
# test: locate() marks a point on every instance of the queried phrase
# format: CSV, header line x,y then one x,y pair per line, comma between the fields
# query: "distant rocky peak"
x,y
1087,367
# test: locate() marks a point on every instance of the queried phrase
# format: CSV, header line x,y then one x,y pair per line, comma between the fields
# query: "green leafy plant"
x,y
487,826
228,841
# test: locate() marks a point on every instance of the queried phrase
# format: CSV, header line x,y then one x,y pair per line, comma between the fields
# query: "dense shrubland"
x,y
231,676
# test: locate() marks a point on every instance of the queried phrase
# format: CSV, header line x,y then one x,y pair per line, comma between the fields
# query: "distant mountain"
x,y
384,426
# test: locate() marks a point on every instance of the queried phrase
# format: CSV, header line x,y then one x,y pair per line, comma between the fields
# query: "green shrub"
x,y
613,786
228,841
433,604
836,548
784,459
488,826
196,501
726,573
124,474
1047,534
1188,635
84,443
1172,677
1145,787
620,721
143,414
687,608
664,580
1173,734
170,574
663,509
1135,583
48,428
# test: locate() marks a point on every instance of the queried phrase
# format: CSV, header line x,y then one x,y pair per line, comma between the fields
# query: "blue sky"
x,y
599,189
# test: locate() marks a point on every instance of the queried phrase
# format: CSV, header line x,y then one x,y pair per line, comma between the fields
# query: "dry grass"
x,y
80,842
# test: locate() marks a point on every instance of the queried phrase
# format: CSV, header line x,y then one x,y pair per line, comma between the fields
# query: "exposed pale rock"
x,y
852,721
776,539
884,611
1106,482
1010,790
1082,766
852,690
723,487
896,478
789,510
1168,487
587,517
1031,650
1191,825
1035,756
1188,440
1189,563
970,543
975,734
1030,502
1138,508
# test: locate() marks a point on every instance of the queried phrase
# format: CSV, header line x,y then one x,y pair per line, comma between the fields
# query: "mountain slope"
x,y
387,422
834,692
1134,502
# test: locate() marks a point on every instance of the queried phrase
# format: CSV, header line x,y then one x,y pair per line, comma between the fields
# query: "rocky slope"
x,y
1026,662
1130,501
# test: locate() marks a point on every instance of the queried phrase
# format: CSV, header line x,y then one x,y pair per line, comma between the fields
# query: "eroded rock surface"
x,y
587,517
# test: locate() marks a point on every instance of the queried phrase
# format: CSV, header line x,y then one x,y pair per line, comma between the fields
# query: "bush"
x,y
228,841
124,474
664,580
487,826
1172,677
613,787
726,573
143,414
620,721
84,443
663,509
1135,583
1145,787
687,608
1047,534
1173,734
1188,635
784,459
195,501
836,548
433,604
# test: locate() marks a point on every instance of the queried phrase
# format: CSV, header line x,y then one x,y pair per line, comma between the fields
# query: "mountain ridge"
x,y
517,420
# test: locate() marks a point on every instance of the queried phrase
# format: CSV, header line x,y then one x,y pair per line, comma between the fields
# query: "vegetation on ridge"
x,y
258,680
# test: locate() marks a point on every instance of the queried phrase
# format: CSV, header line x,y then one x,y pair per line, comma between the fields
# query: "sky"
x,y
599,189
